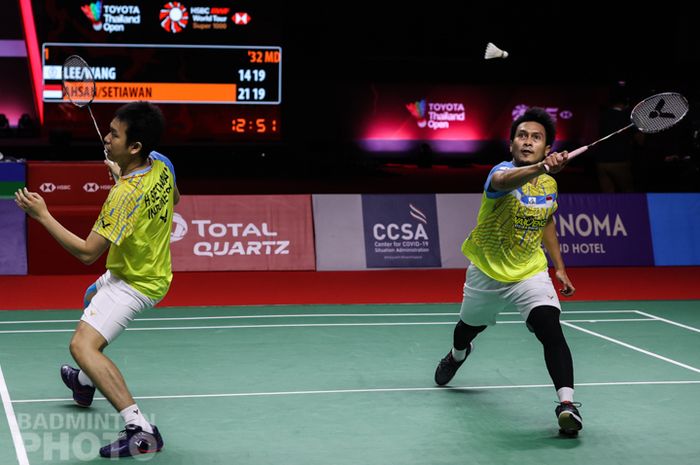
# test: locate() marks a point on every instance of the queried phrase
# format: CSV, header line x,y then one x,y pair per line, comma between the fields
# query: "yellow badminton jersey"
x,y
137,218
506,242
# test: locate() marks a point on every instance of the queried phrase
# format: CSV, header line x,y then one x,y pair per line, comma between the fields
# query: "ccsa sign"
x,y
393,231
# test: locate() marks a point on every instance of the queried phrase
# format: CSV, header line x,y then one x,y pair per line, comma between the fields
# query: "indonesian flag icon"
x,y
240,18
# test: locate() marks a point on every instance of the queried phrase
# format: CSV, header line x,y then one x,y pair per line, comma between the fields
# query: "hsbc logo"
x,y
91,187
49,187
241,18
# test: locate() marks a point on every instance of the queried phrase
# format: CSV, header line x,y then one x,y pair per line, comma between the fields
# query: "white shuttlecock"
x,y
494,52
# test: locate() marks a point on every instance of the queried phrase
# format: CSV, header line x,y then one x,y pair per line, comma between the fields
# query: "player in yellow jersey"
x,y
508,269
134,224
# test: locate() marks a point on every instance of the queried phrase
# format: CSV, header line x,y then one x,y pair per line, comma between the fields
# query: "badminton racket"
x,y
79,87
653,114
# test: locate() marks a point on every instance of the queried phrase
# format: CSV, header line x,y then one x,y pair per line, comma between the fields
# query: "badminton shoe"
x,y
569,418
133,440
448,366
82,395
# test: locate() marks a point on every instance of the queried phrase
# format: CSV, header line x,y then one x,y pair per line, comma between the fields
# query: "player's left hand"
x,y
113,168
568,289
31,202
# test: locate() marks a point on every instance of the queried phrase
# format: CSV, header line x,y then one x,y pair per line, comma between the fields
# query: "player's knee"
x,y
464,331
544,322
77,348
85,341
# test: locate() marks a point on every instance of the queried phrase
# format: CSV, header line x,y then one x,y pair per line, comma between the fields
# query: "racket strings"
x,y
78,81
659,112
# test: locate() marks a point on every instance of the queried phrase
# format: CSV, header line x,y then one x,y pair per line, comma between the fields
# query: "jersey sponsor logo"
x,y
529,223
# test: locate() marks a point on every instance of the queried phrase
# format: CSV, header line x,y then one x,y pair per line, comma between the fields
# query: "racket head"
x,y
659,112
78,81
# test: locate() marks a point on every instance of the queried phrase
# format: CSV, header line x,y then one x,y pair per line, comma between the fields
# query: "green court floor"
x,y
353,384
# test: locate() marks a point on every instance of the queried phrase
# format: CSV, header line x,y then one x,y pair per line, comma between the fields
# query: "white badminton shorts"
x,y
114,306
485,297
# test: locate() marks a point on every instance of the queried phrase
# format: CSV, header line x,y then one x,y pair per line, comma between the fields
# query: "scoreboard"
x,y
214,68
170,73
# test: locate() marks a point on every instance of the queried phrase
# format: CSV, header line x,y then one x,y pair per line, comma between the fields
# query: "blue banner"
x,y
13,242
675,228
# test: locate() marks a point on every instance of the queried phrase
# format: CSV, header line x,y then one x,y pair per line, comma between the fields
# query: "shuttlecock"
x,y
494,52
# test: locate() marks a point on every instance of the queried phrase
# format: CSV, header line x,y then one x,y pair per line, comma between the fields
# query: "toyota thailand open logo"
x,y
93,12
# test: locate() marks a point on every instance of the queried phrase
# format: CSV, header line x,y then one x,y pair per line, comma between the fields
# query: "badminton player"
x,y
508,269
134,224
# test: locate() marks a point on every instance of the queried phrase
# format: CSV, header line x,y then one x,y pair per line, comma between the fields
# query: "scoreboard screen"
x,y
214,68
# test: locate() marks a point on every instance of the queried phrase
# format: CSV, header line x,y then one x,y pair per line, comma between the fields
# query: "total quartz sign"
x,y
265,232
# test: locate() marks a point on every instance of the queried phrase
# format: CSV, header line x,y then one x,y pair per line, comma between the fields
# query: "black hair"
x,y
144,123
538,115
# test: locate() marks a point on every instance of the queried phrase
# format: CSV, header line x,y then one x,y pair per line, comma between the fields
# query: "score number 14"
x,y
251,75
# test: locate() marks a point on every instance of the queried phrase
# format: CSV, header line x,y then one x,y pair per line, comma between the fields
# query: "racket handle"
x,y
577,152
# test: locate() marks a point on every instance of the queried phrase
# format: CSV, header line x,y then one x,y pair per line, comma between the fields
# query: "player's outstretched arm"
x,y
507,180
86,250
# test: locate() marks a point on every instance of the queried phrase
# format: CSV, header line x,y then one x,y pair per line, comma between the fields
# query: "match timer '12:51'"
x,y
259,125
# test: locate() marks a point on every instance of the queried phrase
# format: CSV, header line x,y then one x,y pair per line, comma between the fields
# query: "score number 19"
x,y
251,75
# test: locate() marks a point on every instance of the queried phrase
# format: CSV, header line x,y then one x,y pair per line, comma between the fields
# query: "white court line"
x,y
238,317
630,346
373,390
302,325
12,422
301,315
671,322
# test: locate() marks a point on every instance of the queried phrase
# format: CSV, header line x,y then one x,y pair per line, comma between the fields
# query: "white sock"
x,y
566,394
84,380
132,416
459,355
